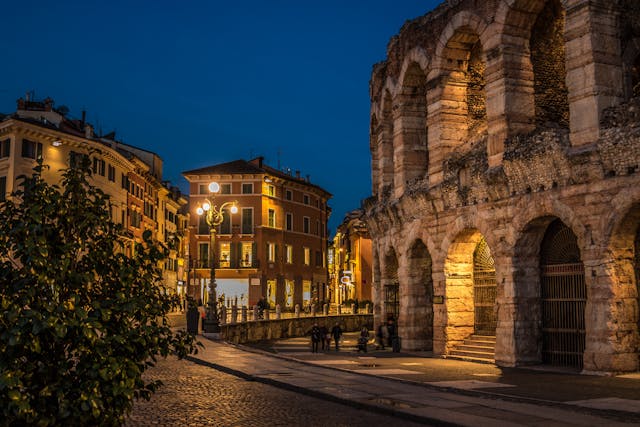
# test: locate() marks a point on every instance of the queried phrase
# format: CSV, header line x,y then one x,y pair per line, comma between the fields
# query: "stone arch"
x,y
410,129
374,131
550,294
416,317
385,148
551,102
457,103
623,252
467,255
390,289
631,68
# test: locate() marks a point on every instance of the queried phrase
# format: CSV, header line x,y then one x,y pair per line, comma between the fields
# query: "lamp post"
x,y
214,216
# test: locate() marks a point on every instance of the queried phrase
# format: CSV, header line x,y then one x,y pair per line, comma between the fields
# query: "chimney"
x,y
88,131
260,160
308,177
84,117
298,174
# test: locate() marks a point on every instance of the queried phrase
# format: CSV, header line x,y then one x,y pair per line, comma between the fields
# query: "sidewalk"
x,y
432,390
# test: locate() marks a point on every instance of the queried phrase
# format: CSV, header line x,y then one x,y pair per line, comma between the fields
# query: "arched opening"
x,y
391,286
484,290
411,145
471,291
548,61
563,297
416,317
464,113
385,149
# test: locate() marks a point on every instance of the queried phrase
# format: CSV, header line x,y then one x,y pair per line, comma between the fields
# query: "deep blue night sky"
x,y
205,82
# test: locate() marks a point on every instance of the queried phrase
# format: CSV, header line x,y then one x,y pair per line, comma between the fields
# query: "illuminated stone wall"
x,y
520,116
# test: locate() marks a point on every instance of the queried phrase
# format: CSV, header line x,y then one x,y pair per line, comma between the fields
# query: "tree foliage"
x,y
80,321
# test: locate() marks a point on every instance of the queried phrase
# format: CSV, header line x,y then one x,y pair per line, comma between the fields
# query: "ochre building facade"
x,y
506,188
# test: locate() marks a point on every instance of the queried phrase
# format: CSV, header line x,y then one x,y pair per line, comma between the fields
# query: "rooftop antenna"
x,y
278,158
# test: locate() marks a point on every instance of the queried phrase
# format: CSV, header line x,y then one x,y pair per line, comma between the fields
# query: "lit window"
x,y
272,218
289,254
307,256
225,254
271,252
247,254
271,190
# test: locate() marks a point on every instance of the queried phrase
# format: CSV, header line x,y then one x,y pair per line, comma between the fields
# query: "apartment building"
x,y
129,175
273,247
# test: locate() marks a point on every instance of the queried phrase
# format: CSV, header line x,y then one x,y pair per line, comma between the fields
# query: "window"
x,y
305,199
289,221
112,174
98,166
318,259
225,188
5,148
317,228
305,224
225,255
272,218
271,190
247,254
125,181
3,188
288,254
247,188
203,189
203,255
203,227
31,149
306,292
225,227
247,220
289,194
307,256
136,219
271,252
288,293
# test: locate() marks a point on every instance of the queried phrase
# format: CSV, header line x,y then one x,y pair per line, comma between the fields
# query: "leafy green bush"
x,y
80,321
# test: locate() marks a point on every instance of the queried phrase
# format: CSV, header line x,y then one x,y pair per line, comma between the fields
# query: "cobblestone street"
x,y
195,395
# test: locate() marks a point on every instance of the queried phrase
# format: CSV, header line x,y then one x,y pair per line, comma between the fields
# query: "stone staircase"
x,y
476,348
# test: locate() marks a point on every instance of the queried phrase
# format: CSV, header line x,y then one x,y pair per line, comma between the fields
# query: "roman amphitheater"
x,y
505,145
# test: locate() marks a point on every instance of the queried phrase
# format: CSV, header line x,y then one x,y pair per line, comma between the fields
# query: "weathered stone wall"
x,y
560,142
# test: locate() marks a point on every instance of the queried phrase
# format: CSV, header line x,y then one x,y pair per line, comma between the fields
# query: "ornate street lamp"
x,y
214,216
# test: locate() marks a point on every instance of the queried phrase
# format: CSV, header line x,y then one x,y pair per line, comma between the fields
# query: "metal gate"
x,y
563,298
484,290
391,301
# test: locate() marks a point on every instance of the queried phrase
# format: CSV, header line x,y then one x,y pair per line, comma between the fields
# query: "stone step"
x,y
471,359
484,338
475,347
475,354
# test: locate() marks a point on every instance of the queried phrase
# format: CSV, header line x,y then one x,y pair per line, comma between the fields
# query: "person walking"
x,y
381,335
324,333
362,339
336,333
314,332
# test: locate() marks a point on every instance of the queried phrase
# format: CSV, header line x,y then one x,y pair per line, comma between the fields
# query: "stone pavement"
x,y
436,391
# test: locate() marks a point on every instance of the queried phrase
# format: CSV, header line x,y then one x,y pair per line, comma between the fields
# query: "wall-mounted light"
x,y
267,179
57,143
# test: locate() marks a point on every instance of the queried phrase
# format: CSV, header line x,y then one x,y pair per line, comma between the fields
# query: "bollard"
x,y
255,313
313,310
278,312
223,315
325,309
354,309
234,314
339,308
297,311
243,314
266,313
